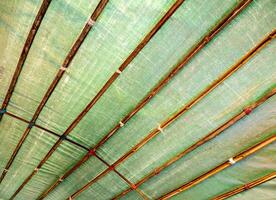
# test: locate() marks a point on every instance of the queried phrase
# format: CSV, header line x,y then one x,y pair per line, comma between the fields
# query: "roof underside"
x,y
223,54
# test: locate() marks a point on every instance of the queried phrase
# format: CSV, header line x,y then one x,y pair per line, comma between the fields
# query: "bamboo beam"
x,y
220,167
26,48
246,111
156,131
55,82
246,186
48,131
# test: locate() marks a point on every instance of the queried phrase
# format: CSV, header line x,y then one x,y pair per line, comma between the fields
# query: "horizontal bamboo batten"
x,y
202,141
156,131
48,131
26,48
52,87
247,186
220,167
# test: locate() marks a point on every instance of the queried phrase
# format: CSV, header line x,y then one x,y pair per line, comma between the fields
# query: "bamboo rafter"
x,y
156,131
247,186
220,167
26,48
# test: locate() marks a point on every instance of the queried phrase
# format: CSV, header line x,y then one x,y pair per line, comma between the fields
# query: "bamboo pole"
x,y
53,85
156,131
246,111
26,48
246,186
220,167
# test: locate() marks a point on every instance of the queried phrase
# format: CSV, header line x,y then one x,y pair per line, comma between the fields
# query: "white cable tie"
x,y
63,68
60,179
36,169
160,129
121,124
70,198
6,170
91,22
118,71
232,161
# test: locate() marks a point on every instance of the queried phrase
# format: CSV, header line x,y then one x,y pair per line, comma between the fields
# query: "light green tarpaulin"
x,y
119,29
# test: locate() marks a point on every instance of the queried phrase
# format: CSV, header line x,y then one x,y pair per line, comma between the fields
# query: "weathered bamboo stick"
x,y
246,186
53,85
26,48
246,111
156,131
220,167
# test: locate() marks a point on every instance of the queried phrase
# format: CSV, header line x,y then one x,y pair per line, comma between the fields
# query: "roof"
x,y
115,99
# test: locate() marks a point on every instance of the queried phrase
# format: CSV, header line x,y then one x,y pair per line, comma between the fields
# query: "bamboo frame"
x,y
156,131
202,141
54,83
104,88
48,131
23,56
220,167
246,187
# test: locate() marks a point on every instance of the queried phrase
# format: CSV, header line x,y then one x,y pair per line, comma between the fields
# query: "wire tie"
x,y
63,68
247,110
91,152
118,71
160,129
31,124
36,169
63,137
60,179
70,198
121,124
91,22
2,111
6,170
232,161
111,167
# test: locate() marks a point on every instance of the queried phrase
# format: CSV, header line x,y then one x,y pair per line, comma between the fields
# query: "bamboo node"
x,y
232,161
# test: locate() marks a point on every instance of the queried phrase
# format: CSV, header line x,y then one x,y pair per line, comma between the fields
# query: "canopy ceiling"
x,y
137,99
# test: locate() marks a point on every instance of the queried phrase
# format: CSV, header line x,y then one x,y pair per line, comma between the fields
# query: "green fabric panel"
x,y
62,159
258,165
149,67
223,103
84,174
254,128
266,191
105,188
16,18
198,74
10,132
59,29
105,48
133,195
37,144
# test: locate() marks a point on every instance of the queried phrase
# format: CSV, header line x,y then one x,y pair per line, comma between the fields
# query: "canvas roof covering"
x,y
116,99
